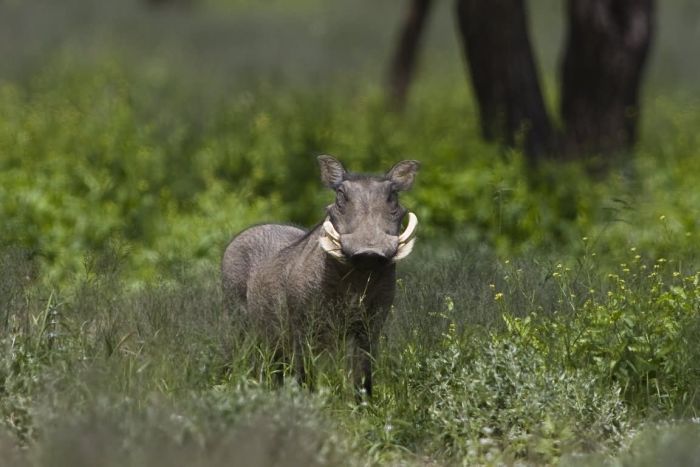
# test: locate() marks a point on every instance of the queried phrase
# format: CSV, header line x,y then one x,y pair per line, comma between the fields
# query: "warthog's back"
x,y
247,251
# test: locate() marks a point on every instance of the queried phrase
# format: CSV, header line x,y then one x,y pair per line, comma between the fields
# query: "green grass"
x,y
477,365
546,316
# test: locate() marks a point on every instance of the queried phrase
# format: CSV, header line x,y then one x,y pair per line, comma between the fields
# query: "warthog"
x,y
340,274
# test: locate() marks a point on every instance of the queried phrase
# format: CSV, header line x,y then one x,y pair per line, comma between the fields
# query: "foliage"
x,y
161,368
91,158
548,314
495,401
637,330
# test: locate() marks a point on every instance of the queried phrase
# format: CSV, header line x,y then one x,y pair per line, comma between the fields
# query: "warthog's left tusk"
x,y
329,246
404,249
407,239
410,228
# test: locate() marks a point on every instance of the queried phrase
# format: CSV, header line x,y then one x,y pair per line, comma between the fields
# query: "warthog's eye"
x,y
393,201
340,198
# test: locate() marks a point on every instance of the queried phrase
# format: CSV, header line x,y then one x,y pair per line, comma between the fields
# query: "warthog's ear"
x,y
332,171
403,174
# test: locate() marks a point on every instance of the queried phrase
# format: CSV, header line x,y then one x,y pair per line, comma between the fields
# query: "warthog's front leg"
x,y
362,365
366,340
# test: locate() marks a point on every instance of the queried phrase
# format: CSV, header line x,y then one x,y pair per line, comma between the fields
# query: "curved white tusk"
x,y
330,247
330,241
330,230
404,250
410,228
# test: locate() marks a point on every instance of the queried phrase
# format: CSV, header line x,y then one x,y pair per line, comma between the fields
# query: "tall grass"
x,y
476,366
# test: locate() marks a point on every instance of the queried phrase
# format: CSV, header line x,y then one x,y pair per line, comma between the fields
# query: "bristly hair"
x,y
361,176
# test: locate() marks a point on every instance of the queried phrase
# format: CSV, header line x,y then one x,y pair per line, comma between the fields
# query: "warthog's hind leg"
x,y
301,373
277,368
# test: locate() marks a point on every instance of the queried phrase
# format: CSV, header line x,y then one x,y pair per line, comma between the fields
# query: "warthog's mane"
x,y
360,176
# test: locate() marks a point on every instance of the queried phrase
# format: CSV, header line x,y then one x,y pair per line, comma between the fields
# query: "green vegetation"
x,y
547,315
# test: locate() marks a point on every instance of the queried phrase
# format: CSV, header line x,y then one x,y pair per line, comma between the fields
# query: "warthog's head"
x,y
363,226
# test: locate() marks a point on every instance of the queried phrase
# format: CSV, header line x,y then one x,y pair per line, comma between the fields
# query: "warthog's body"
x,y
248,250
339,276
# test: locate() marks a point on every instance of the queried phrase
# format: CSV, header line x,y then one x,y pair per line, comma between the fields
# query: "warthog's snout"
x,y
369,259
369,248
368,251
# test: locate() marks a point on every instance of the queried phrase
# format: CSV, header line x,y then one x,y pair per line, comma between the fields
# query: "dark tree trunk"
x,y
404,63
607,46
503,73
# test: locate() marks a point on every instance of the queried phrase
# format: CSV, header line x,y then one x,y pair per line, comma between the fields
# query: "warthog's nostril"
x,y
368,260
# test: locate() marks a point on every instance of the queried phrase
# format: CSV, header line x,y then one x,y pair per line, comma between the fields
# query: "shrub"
x,y
637,330
476,400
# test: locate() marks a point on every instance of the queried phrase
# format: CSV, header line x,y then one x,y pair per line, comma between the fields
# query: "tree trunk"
x,y
607,46
404,63
503,73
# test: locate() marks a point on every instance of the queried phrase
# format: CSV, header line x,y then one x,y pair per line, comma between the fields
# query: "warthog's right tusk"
x,y
330,230
329,246
330,240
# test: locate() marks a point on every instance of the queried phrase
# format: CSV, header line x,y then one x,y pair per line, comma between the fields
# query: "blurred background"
x,y
300,41
548,314
167,126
